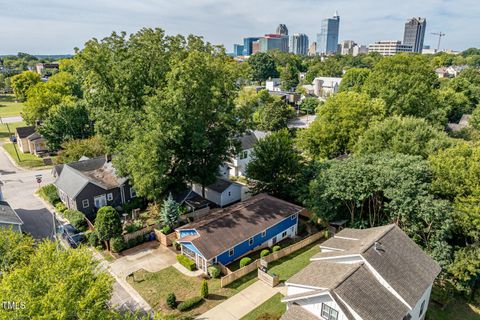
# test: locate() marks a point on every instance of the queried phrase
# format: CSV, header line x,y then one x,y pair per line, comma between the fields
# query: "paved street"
x,y
19,189
11,119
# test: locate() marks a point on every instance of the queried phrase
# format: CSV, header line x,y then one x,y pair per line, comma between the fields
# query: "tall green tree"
x,y
170,212
289,77
22,82
339,124
66,122
273,115
15,249
275,165
406,83
263,67
108,224
407,135
73,150
57,284
354,79
188,128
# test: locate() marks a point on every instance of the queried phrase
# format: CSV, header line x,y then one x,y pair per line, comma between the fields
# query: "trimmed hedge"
x,y
204,289
92,238
60,207
171,300
264,253
76,218
214,271
186,262
117,244
49,193
276,248
245,261
190,303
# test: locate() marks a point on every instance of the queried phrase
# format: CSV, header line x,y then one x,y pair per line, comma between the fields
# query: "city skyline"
x,y
29,26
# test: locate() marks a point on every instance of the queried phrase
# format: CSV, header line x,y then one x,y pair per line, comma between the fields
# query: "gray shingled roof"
x,y
73,177
220,185
224,228
323,274
24,132
248,140
296,312
400,261
8,215
370,299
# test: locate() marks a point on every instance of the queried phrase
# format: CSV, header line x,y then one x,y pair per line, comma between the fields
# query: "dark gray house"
x,y
90,184
9,218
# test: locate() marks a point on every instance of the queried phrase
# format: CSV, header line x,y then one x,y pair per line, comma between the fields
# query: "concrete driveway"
x,y
150,256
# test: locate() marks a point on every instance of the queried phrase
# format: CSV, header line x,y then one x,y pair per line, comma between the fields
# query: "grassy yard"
x,y
12,126
8,106
456,310
274,307
27,160
154,287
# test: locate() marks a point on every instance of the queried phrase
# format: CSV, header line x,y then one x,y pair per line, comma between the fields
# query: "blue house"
x,y
230,233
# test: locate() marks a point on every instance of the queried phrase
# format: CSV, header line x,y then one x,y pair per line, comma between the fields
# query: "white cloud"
x,y
55,26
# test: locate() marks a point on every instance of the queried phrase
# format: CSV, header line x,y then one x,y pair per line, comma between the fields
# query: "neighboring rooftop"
x,y
224,228
462,124
24,132
220,185
73,177
8,215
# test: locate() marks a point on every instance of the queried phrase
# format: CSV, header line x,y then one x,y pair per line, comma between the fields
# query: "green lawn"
x,y
154,287
4,130
274,307
27,160
8,106
456,310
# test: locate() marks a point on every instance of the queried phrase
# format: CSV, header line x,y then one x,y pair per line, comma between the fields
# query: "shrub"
x,y
166,230
190,303
76,218
171,300
276,248
49,193
131,243
326,234
92,238
134,226
214,271
135,203
245,261
60,207
140,239
176,245
204,289
264,253
186,262
107,223
117,244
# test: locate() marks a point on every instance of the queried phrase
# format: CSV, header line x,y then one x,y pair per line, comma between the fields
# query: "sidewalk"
x,y
243,302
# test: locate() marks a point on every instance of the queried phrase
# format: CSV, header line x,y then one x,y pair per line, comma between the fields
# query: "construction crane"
x,y
440,35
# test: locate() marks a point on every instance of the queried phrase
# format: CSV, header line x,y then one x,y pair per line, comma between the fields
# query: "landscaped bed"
x,y
154,287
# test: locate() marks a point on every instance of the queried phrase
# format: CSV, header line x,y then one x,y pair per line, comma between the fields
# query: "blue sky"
x,y
57,26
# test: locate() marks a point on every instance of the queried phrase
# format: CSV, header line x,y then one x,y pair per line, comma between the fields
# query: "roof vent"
x,y
378,247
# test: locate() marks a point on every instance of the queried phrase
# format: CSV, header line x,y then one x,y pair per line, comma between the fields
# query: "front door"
x,y
100,201
274,240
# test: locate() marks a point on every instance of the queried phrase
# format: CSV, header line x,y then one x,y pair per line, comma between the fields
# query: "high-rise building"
x,y
282,29
256,47
327,39
238,50
389,47
299,44
312,50
415,33
273,42
346,47
247,45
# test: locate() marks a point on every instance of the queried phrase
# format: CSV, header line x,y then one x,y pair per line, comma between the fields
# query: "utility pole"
x,y
440,35
14,143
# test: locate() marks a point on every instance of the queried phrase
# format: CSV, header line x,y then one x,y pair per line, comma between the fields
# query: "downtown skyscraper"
x,y
415,33
327,39
299,44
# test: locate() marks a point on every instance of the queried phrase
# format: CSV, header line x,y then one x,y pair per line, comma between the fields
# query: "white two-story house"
x,y
238,165
377,273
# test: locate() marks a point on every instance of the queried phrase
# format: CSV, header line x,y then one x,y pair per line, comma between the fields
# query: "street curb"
x,y
16,165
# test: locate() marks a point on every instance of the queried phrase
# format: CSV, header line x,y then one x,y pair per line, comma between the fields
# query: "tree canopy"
x,y
341,120
263,67
22,82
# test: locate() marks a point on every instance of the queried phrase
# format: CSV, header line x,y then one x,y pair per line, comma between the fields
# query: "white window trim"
x,y
87,202
293,217
264,233
250,241
231,252
109,196
132,193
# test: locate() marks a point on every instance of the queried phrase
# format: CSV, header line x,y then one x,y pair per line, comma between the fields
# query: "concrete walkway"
x,y
243,302
187,272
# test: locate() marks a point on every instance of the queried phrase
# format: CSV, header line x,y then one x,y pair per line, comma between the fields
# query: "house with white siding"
x,y
375,274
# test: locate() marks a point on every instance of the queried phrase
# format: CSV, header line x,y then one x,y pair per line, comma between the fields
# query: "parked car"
x,y
13,139
73,237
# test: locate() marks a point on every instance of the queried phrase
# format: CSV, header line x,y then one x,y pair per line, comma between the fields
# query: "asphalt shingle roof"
x,y
8,215
224,228
296,312
24,132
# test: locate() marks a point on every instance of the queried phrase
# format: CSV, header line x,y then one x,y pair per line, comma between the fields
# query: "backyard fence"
x,y
141,232
235,275
197,214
